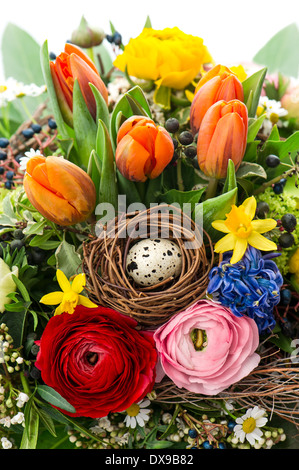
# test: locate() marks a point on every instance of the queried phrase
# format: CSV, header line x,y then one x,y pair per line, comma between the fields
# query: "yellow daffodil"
x,y
70,296
242,231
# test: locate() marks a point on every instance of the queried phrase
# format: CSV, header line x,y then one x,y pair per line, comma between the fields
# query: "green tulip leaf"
x,y
162,97
108,184
215,208
182,197
102,108
94,169
30,433
252,87
84,126
254,126
128,188
230,182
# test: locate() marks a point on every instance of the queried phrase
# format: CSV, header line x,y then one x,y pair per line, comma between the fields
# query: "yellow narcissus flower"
x,y
169,57
70,296
242,231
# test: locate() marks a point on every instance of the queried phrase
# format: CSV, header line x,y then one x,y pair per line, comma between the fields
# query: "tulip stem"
x,y
180,180
211,189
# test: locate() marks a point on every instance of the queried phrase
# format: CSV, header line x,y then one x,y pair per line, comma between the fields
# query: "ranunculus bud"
x,y
7,285
220,83
86,36
143,149
70,65
222,137
59,190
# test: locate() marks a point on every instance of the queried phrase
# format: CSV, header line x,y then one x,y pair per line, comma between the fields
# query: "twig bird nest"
x,y
114,283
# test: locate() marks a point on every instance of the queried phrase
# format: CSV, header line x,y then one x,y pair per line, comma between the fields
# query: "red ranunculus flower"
x,y
97,360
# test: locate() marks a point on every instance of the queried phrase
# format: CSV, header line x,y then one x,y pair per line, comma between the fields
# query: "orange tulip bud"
x,y
218,84
143,149
222,137
59,190
70,65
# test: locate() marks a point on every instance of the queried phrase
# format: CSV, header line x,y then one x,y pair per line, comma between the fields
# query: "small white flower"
x,y
273,111
23,397
122,440
248,425
6,421
137,414
6,444
24,160
18,418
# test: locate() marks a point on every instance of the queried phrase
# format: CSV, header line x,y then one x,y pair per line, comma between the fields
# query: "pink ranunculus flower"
x,y
206,348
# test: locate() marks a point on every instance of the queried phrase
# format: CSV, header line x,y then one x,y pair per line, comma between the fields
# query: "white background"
x,y
233,30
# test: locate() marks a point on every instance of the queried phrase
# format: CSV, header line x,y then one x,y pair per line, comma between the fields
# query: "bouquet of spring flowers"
x,y
149,286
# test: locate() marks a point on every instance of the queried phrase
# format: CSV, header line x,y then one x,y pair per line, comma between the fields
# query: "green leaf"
x,y
30,433
21,288
254,127
252,87
84,126
214,209
248,169
94,170
182,197
102,108
230,182
67,259
280,53
162,97
47,421
108,184
128,188
35,228
16,322
148,23
54,398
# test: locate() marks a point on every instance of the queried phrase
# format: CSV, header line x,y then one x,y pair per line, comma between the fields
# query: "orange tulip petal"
x,y
164,149
130,123
203,100
132,159
52,207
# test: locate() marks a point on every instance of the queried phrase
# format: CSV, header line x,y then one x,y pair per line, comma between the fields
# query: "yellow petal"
x,y
239,250
226,243
249,206
86,302
260,242
63,281
59,310
264,225
53,298
78,283
221,226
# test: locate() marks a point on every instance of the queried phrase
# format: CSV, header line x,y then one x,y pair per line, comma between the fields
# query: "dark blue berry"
x,y
117,38
192,433
288,222
231,425
278,188
36,127
2,170
52,124
186,138
18,157
272,161
286,240
16,245
285,296
3,155
221,445
207,445
52,56
262,209
18,234
109,38
3,142
283,181
190,151
10,175
28,133
172,125
7,184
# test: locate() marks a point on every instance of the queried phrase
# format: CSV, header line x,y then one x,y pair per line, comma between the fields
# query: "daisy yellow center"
x,y
274,118
249,425
70,301
238,222
133,410
3,88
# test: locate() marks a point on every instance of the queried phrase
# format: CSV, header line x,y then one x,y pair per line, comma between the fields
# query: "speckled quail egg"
x,y
151,261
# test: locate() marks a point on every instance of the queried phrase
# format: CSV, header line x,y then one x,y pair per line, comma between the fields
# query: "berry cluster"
x,y
114,38
183,143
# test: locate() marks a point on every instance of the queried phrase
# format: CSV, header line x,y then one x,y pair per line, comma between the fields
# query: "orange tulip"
x,y
143,149
222,137
59,190
218,84
70,65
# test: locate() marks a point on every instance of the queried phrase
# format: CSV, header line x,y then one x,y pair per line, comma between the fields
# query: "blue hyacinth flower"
x,y
250,287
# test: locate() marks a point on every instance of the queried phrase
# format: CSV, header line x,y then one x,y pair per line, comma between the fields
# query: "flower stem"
x,y
180,181
264,186
211,189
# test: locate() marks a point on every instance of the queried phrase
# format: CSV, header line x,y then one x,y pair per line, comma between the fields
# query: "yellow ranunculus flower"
x,y
169,57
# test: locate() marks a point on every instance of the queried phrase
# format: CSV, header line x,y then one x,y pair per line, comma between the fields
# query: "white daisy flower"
x,y
137,414
248,425
273,111
24,160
